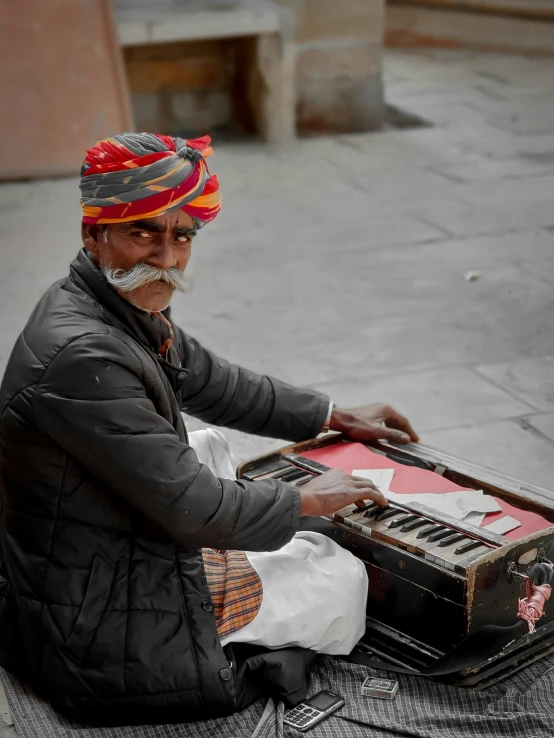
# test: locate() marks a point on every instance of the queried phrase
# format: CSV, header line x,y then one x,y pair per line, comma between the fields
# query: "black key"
x,y
439,534
304,480
265,469
400,521
417,523
451,539
469,546
290,475
424,532
389,512
369,506
375,511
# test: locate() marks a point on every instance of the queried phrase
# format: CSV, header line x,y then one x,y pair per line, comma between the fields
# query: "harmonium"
x,y
445,595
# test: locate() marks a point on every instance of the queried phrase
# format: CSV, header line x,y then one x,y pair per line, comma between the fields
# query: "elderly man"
x,y
128,565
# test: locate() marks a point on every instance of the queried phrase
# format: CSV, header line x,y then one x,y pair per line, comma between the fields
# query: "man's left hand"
x,y
373,422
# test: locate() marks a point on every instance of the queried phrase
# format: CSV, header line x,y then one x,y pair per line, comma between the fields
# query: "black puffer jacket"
x,y
105,506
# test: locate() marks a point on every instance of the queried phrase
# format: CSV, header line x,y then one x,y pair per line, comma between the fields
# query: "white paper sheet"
x,y
381,478
475,519
456,504
470,505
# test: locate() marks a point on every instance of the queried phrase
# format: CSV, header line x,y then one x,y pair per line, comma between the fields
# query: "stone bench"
x,y
271,79
530,9
505,26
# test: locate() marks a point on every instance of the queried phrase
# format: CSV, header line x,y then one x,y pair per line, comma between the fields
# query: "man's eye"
x,y
183,239
142,234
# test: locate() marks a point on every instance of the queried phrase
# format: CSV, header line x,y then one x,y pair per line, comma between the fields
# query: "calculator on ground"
x,y
305,715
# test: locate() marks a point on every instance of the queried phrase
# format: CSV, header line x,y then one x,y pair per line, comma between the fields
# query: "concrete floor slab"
x,y
532,380
381,310
486,217
486,169
502,445
542,267
544,424
441,398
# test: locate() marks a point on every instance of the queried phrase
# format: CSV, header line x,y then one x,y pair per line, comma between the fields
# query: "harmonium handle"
x,y
538,588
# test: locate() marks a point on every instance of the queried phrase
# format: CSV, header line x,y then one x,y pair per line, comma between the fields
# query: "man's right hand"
x,y
325,494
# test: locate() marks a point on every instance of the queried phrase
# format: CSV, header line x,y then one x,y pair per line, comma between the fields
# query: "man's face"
x,y
163,242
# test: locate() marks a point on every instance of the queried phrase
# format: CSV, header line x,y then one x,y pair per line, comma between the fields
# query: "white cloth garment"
x,y
314,591
213,450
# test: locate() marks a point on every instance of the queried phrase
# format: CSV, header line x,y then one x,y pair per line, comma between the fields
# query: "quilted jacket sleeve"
x,y
226,394
92,401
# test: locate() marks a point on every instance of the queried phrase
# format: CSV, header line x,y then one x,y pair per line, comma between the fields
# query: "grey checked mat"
x,y
520,706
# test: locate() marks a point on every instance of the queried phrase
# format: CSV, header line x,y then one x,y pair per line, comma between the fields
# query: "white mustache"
x,y
142,275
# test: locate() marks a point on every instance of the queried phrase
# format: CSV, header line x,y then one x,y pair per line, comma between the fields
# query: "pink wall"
x,y
62,85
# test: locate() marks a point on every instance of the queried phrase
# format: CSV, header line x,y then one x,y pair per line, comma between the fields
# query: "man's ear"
x,y
91,233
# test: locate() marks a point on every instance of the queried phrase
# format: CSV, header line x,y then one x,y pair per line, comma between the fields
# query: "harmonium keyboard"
x,y
435,580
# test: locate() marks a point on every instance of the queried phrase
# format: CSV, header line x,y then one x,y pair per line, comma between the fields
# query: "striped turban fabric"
x,y
142,175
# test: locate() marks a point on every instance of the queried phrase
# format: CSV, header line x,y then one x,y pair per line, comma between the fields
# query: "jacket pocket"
x,y
93,607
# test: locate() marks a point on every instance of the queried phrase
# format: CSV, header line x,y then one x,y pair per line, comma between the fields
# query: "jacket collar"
x,y
147,328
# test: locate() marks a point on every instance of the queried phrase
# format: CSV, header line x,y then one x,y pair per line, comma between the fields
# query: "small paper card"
x,y
502,525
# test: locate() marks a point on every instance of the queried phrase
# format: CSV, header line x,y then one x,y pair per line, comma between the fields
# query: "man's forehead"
x,y
177,220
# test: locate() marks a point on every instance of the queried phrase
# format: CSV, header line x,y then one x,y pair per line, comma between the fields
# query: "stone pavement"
x,y
339,263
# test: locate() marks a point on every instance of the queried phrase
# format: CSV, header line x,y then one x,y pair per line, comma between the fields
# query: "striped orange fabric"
x,y
144,175
235,587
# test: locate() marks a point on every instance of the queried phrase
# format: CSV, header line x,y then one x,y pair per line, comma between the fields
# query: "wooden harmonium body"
x,y
433,579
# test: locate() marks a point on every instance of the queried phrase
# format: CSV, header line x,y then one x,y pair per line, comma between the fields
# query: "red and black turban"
x,y
142,175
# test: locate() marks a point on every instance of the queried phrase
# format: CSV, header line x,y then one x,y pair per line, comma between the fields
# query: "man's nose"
x,y
162,255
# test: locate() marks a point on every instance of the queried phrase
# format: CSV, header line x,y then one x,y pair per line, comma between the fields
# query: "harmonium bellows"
x,y
435,580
